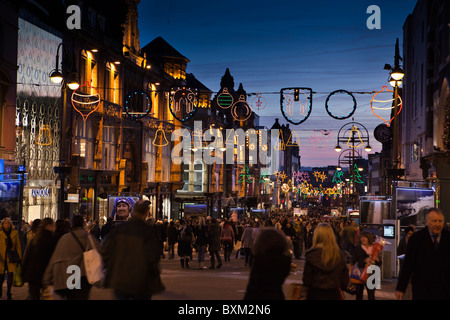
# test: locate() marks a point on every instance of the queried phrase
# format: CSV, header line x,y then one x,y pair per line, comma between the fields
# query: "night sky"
x,y
323,45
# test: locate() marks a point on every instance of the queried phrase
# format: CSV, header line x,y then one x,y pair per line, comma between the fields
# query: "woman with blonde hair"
x,y
325,274
9,243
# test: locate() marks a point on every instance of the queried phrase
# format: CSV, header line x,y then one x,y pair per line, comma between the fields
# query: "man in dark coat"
x,y
427,261
214,243
131,256
37,256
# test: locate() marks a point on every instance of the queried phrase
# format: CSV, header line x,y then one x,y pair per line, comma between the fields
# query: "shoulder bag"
x,y
93,263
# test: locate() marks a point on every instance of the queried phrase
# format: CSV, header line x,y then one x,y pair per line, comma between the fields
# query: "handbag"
x,y
358,275
93,263
13,256
17,278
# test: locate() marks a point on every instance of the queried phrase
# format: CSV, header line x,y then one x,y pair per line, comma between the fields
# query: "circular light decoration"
x,y
138,104
258,102
336,93
285,187
388,102
183,103
84,103
240,109
225,99
296,104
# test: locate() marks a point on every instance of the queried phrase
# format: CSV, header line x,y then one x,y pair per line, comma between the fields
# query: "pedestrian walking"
x,y
34,227
68,253
95,230
201,241
214,243
172,238
427,261
185,235
247,243
271,266
362,255
37,256
61,228
325,274
9,241
227,238
131,256
106,229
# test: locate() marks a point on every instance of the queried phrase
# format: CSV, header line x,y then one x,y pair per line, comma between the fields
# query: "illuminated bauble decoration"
x,y
388,102
296,104
85,103
225,99
332,106
241,110
183,103
258,102
138,104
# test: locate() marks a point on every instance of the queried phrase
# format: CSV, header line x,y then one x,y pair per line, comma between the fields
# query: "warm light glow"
x,y
397,73
338,148
368,148
394,82
73,85
339,168
56,77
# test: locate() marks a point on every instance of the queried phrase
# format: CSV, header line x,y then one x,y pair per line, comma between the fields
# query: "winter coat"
x,y
37,256
202,236
247,238
67,252
267,277
131,256
172,234
318,277
214,237
227,233
15,245
184,245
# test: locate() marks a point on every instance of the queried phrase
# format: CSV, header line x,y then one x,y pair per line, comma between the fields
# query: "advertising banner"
x,y
121,208
412,204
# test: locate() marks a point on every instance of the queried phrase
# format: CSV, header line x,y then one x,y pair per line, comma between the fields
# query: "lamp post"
x,y
66,80
354,135
395,76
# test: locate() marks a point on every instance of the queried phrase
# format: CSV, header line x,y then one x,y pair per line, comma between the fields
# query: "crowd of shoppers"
x,y
330,247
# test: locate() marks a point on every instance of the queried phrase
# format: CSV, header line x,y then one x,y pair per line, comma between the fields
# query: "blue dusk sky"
x,y
269,45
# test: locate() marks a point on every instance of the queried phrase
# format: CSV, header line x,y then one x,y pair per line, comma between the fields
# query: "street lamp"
x,y
66,80
396,75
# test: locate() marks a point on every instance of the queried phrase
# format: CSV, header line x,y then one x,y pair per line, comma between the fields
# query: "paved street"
x,y
226,283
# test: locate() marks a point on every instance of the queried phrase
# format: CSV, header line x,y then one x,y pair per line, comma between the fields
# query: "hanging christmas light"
x,y
337,93
85,103
389,107
183,103
138,104
296,104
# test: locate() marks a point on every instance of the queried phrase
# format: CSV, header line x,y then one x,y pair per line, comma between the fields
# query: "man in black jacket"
x,y
131,255
427,261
